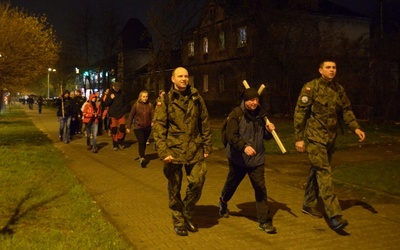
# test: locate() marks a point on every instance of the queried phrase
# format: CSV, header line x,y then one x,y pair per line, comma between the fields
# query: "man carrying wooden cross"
x,y
245,131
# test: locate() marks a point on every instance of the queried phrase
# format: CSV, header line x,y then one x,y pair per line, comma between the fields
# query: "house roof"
x,y
135,35
325,7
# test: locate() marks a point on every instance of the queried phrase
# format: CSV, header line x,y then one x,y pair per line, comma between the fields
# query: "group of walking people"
x,y
180,125
78,115
183,139
106,113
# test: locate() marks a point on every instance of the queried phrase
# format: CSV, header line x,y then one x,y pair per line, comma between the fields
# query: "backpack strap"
x,y
238,113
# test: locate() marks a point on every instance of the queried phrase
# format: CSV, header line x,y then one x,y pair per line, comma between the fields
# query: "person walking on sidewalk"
x,y
157,102
30,102
40,102
245,132
183,137
76,125
91,113
141,116
105,116
65,112
117,108
100,101
321,103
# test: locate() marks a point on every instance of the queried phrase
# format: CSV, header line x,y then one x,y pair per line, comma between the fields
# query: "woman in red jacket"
x,y
141,116
91,114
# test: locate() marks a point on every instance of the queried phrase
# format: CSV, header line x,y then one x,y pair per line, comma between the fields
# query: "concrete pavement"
x,y
135,201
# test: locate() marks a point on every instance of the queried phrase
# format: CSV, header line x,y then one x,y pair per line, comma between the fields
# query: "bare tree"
x,y
169,20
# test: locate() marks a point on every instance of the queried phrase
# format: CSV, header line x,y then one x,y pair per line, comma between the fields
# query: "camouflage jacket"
x,y
319,107
181,127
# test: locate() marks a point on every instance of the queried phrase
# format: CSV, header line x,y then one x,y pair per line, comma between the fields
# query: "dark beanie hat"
x,y
117,86
250,93
66,91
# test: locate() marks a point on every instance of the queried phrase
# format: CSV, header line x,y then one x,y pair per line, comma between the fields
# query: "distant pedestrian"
x,y
141,116
158,102
65,110
161,95
100,101
30,102
117,108
245,132
40,102
91,114
183,136
321,103
105,116
79,101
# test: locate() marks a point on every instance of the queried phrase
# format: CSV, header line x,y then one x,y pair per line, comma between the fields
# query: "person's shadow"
x,y
129,143
102,145
248,209
148,159
346,204
208,215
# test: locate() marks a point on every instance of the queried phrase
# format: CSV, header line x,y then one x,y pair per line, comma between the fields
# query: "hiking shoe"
x,y
267,227
181,230
66,142
60,138
338,222
223,209
95,150
88,147
121,147
312,211
142,162
115,148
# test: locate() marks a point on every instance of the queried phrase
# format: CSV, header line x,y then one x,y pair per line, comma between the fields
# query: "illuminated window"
x,y
191,48
221,40
221,83
205,45
242,36
205,83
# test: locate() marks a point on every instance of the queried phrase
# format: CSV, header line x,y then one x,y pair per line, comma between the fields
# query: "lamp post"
x,y
48,81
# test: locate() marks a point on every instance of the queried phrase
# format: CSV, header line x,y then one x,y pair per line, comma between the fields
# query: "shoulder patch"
x,y
304,99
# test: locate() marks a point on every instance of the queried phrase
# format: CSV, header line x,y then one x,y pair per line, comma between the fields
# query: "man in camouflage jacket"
x,y
183,137
322,102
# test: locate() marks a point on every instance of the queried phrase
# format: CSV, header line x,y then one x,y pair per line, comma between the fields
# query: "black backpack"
x,y
239,114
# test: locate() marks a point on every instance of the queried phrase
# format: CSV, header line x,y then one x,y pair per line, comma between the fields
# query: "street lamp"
x,y
48,81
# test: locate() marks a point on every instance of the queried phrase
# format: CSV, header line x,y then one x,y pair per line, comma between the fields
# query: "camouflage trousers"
x,y
196,176
319,180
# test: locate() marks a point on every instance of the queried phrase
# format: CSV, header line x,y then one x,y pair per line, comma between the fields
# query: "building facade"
x,y
266,45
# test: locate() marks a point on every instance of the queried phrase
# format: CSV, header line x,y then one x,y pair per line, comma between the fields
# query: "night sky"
x,y
60,11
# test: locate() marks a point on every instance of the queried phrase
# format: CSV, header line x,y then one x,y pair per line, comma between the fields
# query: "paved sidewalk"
x,y
135,202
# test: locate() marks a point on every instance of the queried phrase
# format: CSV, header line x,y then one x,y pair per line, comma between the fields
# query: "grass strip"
x,y
42,205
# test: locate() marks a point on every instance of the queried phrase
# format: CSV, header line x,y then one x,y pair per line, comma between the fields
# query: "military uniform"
x,y
319,107
182,130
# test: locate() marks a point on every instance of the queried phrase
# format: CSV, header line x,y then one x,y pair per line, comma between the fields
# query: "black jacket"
x,y
118,106
249,130
69,107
